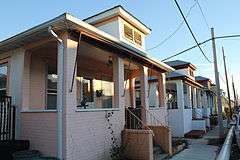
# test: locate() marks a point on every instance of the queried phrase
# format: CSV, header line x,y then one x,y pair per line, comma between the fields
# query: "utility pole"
x,y
219,100
226,75
234,93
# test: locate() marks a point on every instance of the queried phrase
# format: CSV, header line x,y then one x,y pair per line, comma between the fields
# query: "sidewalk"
x,y
199,149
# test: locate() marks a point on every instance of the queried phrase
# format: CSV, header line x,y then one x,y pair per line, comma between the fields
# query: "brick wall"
x,y
40,129
89,137
139,144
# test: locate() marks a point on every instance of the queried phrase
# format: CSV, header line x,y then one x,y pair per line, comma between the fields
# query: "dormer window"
x,y
137,38
132,35
128,32
191,73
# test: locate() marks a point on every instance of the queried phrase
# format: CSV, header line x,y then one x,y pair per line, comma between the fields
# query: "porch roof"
x,y
179,64
178,76
66,22
201,78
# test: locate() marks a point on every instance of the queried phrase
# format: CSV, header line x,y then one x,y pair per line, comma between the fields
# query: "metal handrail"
x,y
139,120
224,154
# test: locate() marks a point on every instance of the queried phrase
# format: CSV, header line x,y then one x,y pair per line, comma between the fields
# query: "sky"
x,y
161,16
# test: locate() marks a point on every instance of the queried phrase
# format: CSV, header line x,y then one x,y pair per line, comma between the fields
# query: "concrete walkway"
x,y
199,149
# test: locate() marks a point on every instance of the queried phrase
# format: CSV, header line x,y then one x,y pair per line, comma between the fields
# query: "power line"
x,y
201,43
189,28
204,17
222,78
174,32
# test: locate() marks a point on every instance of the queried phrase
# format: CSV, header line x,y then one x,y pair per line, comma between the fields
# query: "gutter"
x,y
60,95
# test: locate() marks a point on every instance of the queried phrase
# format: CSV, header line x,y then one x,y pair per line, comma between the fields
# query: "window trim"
x,y
134,30
5,63
46,90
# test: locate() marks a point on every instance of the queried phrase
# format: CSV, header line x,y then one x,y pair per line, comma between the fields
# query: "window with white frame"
x,y
3,79
133,35
137,38
51,91
128,32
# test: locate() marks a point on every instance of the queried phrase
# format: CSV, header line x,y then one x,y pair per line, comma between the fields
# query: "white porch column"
x,y
180,94
198,110
198,99
66,99
132,92
16,89
118,79
144,91
205,104
189,104
194,90
60,99
162,90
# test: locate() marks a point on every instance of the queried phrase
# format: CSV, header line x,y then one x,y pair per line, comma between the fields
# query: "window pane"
x,y
52,91
106,89
137,38
128,32
3,79
52,81
51,101
87,90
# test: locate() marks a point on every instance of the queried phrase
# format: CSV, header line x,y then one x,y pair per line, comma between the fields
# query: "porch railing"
x,y
197,113
7,119
133,120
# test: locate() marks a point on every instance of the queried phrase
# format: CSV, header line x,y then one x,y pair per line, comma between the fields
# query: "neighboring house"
x,y
184,99
208,97
71,81
225,104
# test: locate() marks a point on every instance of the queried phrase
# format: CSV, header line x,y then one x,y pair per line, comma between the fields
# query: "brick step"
x,y
193,134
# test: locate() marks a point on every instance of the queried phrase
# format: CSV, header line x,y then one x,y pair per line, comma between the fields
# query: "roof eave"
x,y
63,19
41,27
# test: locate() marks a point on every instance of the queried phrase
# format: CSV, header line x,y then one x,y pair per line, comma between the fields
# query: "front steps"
x,y
158,153
194,134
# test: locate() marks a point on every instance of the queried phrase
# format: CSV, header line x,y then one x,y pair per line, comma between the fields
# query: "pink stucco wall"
x,y
37,83
89,137
40,129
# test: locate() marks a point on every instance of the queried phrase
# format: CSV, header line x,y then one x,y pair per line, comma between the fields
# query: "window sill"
x,y
97,109
155,108
39,111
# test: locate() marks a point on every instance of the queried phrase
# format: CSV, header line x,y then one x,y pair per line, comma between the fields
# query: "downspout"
x,y
60,95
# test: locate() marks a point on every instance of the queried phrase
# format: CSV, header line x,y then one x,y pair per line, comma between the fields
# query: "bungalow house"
x,y
184,99
207,96
71,81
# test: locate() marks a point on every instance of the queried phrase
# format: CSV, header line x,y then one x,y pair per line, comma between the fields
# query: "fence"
x,y
7,119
